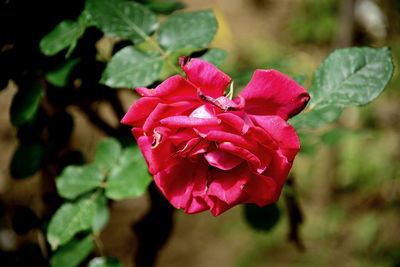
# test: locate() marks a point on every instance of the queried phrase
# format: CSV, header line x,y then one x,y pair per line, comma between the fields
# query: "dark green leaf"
x,y
264,218
64,35
189,30
73,253
351,76
104,262
107,153
59,77
333,136
102,215
70,219
123,19
215,56
27,160
25,104
316,118
131,67
76,180
166,7
130,178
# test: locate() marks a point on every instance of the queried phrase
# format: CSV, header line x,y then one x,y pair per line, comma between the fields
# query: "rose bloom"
x,y
207,152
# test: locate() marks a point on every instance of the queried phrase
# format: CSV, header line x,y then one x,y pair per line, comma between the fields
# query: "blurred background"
x,y
347,175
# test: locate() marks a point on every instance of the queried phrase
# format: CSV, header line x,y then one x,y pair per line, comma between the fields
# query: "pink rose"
x,y
206,151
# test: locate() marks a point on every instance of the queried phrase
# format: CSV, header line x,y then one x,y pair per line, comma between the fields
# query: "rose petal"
x,y
282,132
222,160
278,169
258,163
165,110
204,111
272,93
140,110
262,190
227,190
181,182
206,76
175,88
186,121
157,158
220,136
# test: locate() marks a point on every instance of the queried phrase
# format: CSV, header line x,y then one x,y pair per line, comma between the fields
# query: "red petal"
x,y
186,121
258,163
181,182
222,160
175,88
157,158
282,132
211,81
225,191
272,93
165,110
140,110
262,190
220,136
278,169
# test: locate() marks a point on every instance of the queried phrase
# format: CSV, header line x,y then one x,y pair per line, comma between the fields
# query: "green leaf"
x,y
65,34
300,79
70,219
123,19
165,8
107,153
316,118
263,219
189,30
130,178
350,76
104,262
27,160
76,180
215,56
73,253
26,104
102,214
333,136
131,67
59,77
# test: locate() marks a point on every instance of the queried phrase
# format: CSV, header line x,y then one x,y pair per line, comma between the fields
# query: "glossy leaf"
x,y
189,30
70,219
131,67
27,160
335,135
350,76
104,262
102,214
62,36
123,19
76,180
107,153
73,253
59,77
215,56
163,7
316,118
263,219
26,104
130,178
